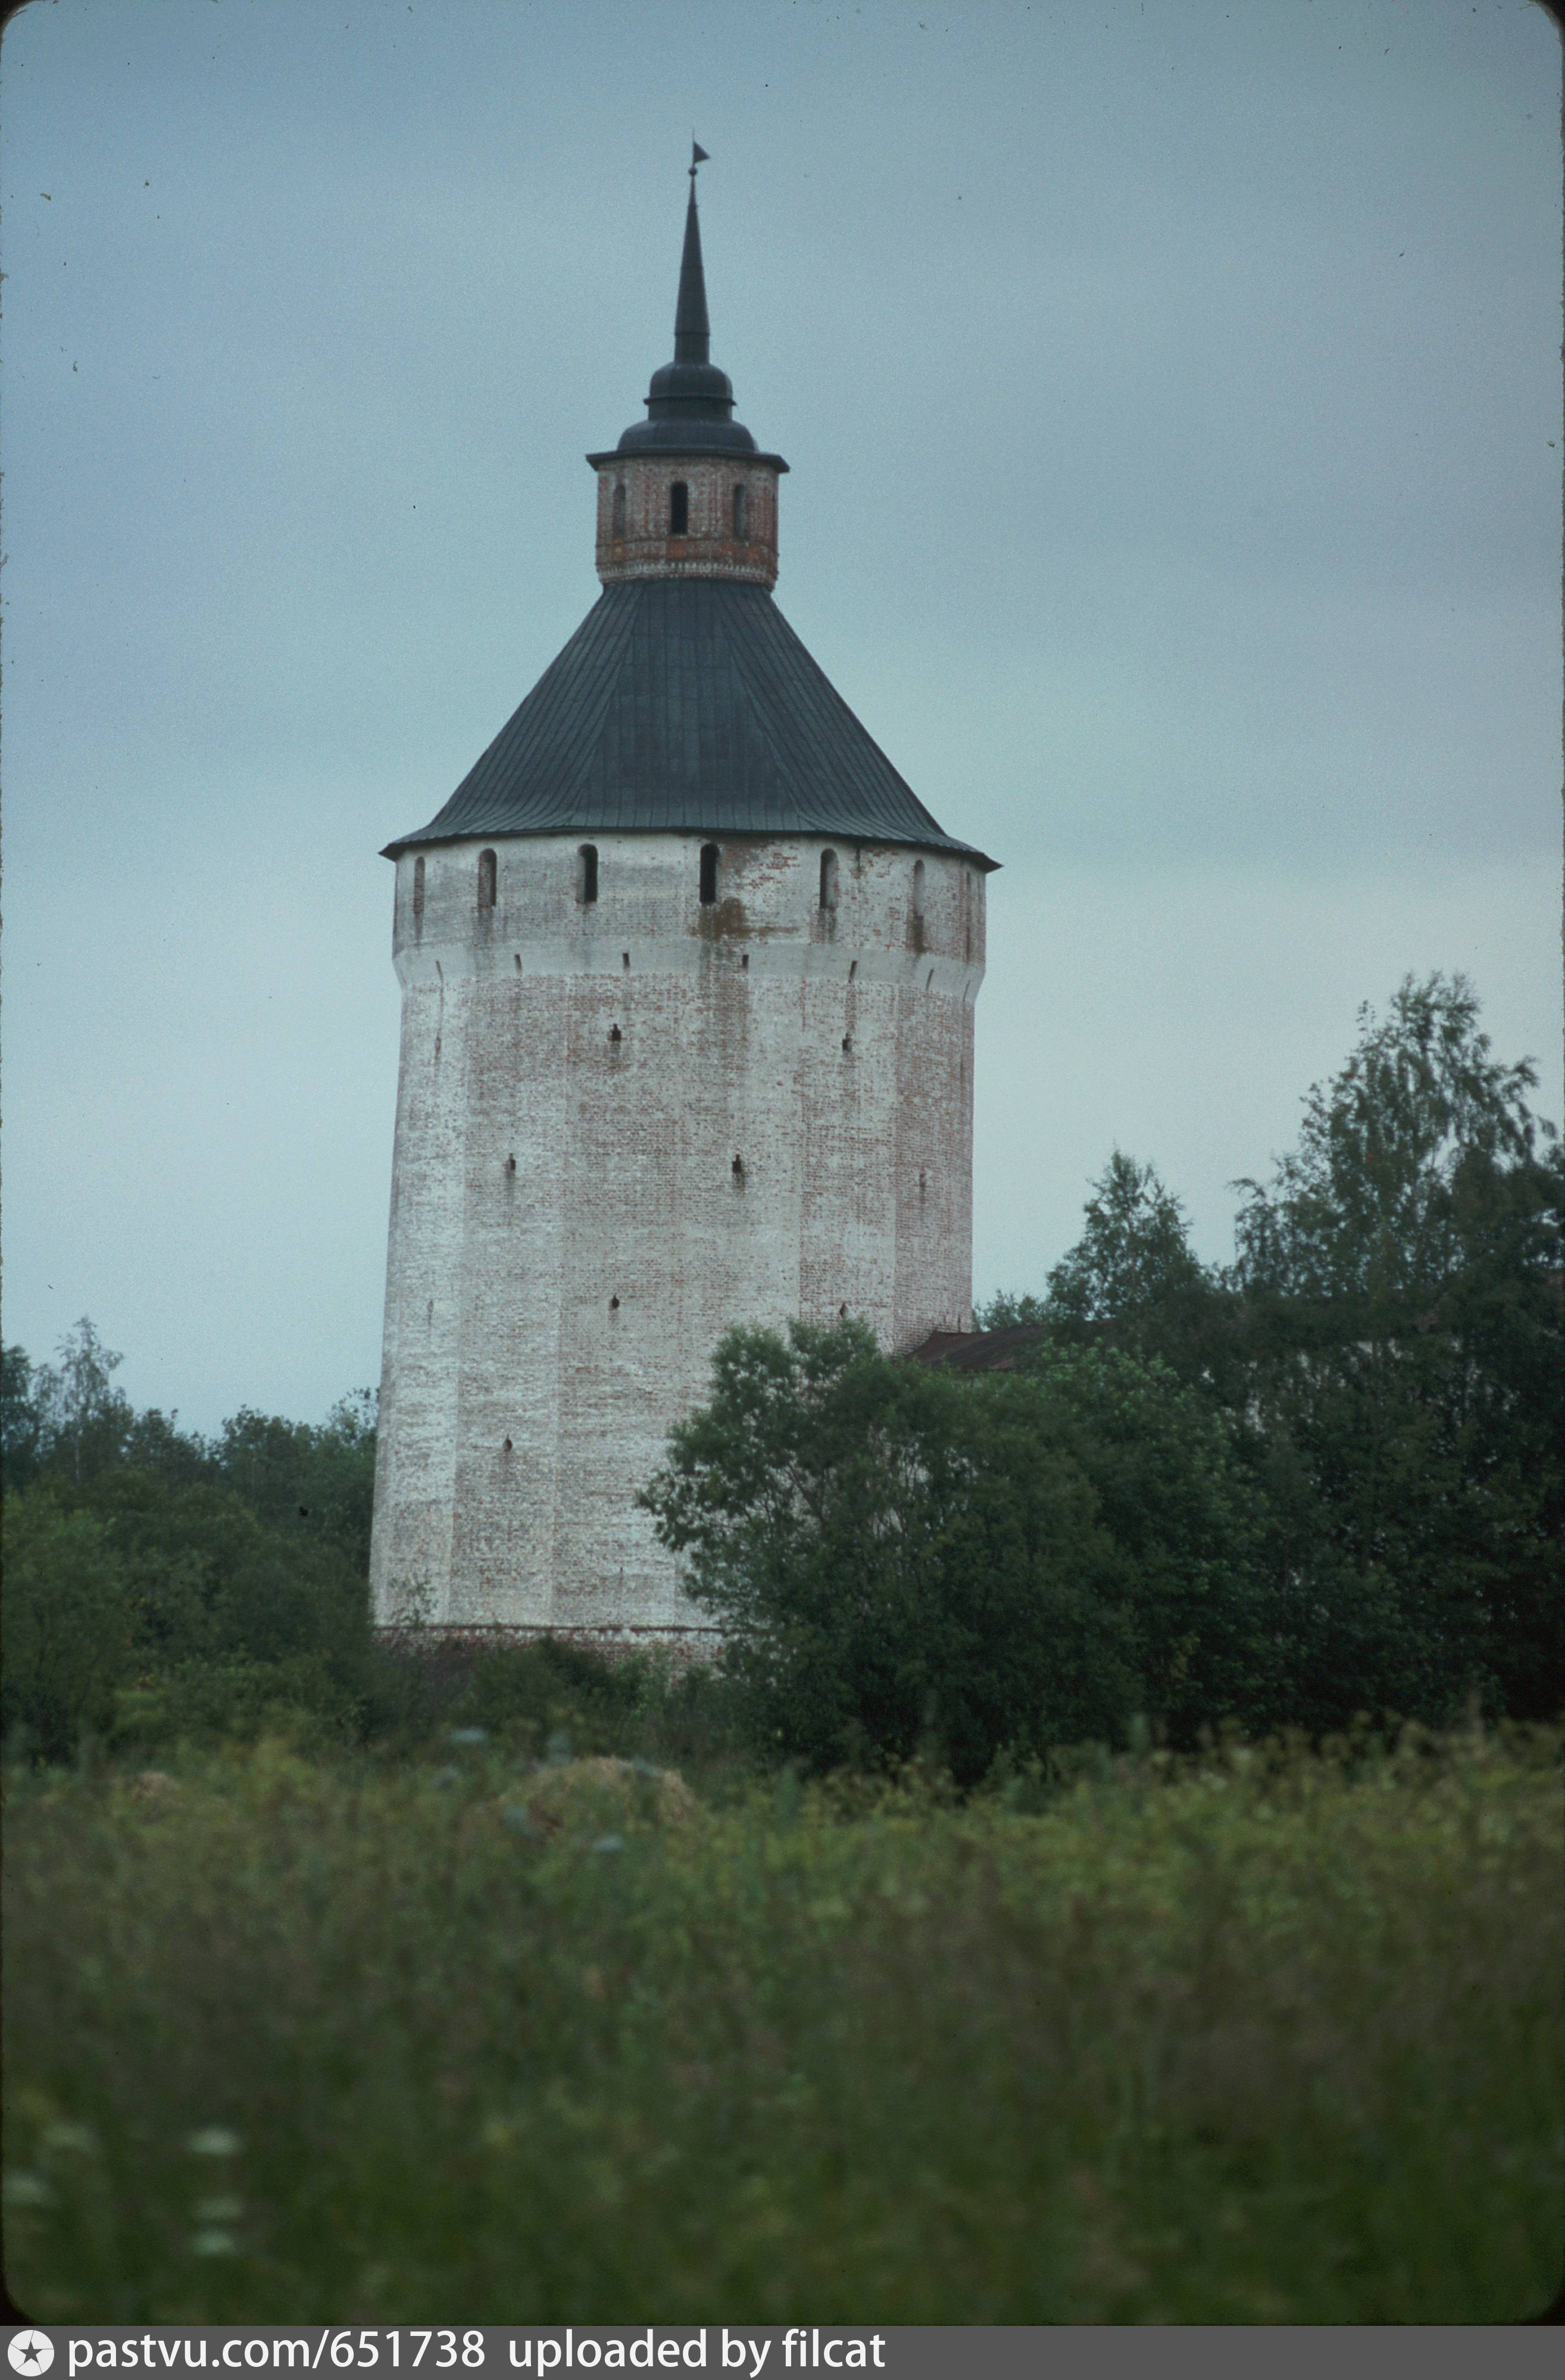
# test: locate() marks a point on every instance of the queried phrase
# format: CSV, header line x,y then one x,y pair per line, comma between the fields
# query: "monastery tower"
x,y
688,980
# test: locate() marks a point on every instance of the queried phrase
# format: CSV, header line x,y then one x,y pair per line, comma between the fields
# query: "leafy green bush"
x,y
525,1692
899,1557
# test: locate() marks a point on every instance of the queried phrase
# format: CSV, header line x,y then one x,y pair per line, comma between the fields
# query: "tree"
x,y
83,1418
64,1625
848,1524
1370,1205
208,1579
1400,1283
1132,1281
21,1424
134,1557
1135,1253
302,1478
897,1552
1188,1527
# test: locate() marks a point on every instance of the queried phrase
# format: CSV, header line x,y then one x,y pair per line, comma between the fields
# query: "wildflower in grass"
x,y
214,2243
213,2140
27,2190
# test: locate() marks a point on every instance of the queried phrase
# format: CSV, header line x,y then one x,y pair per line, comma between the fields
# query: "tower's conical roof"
x,y
686,705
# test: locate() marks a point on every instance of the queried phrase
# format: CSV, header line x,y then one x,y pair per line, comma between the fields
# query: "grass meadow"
x,y
1262,2036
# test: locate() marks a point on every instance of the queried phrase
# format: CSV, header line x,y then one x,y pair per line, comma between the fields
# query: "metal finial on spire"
x,y
699,156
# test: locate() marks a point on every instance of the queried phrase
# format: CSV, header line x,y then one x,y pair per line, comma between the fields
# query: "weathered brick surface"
x,y
620,1128
644,548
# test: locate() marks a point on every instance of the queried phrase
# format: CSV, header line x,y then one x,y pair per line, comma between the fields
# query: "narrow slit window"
x,y
620,510
741,512
829,879
679,509
918,891
417,887
708,874
587,874
486,880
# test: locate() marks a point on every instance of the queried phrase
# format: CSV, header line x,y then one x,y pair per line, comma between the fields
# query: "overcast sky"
x,y
1171,393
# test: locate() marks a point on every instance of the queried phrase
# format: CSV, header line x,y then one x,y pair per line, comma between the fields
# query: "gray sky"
x,y
1172,397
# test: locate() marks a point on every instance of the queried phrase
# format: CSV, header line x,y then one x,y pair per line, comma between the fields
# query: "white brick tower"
x,y
688,980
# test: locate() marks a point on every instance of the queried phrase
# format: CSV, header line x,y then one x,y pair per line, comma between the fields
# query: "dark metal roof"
x,y
686,705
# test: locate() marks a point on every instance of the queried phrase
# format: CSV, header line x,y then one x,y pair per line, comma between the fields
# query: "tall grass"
x,y
1268,2038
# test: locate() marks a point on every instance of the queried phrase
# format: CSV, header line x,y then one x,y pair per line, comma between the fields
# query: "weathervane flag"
x,y
697,155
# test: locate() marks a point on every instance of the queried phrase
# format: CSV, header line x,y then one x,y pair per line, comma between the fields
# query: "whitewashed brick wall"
x,y
569,1235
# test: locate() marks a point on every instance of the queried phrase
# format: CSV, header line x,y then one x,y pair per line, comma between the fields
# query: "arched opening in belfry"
x,y
679,509
587,874
708,874
486,880
419,886
741,512
619,509
829,879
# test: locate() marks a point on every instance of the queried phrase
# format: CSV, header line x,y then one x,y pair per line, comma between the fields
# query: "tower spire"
x,y
692,332
690,401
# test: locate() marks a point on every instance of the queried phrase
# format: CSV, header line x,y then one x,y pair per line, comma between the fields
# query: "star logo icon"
x,y
30,2351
